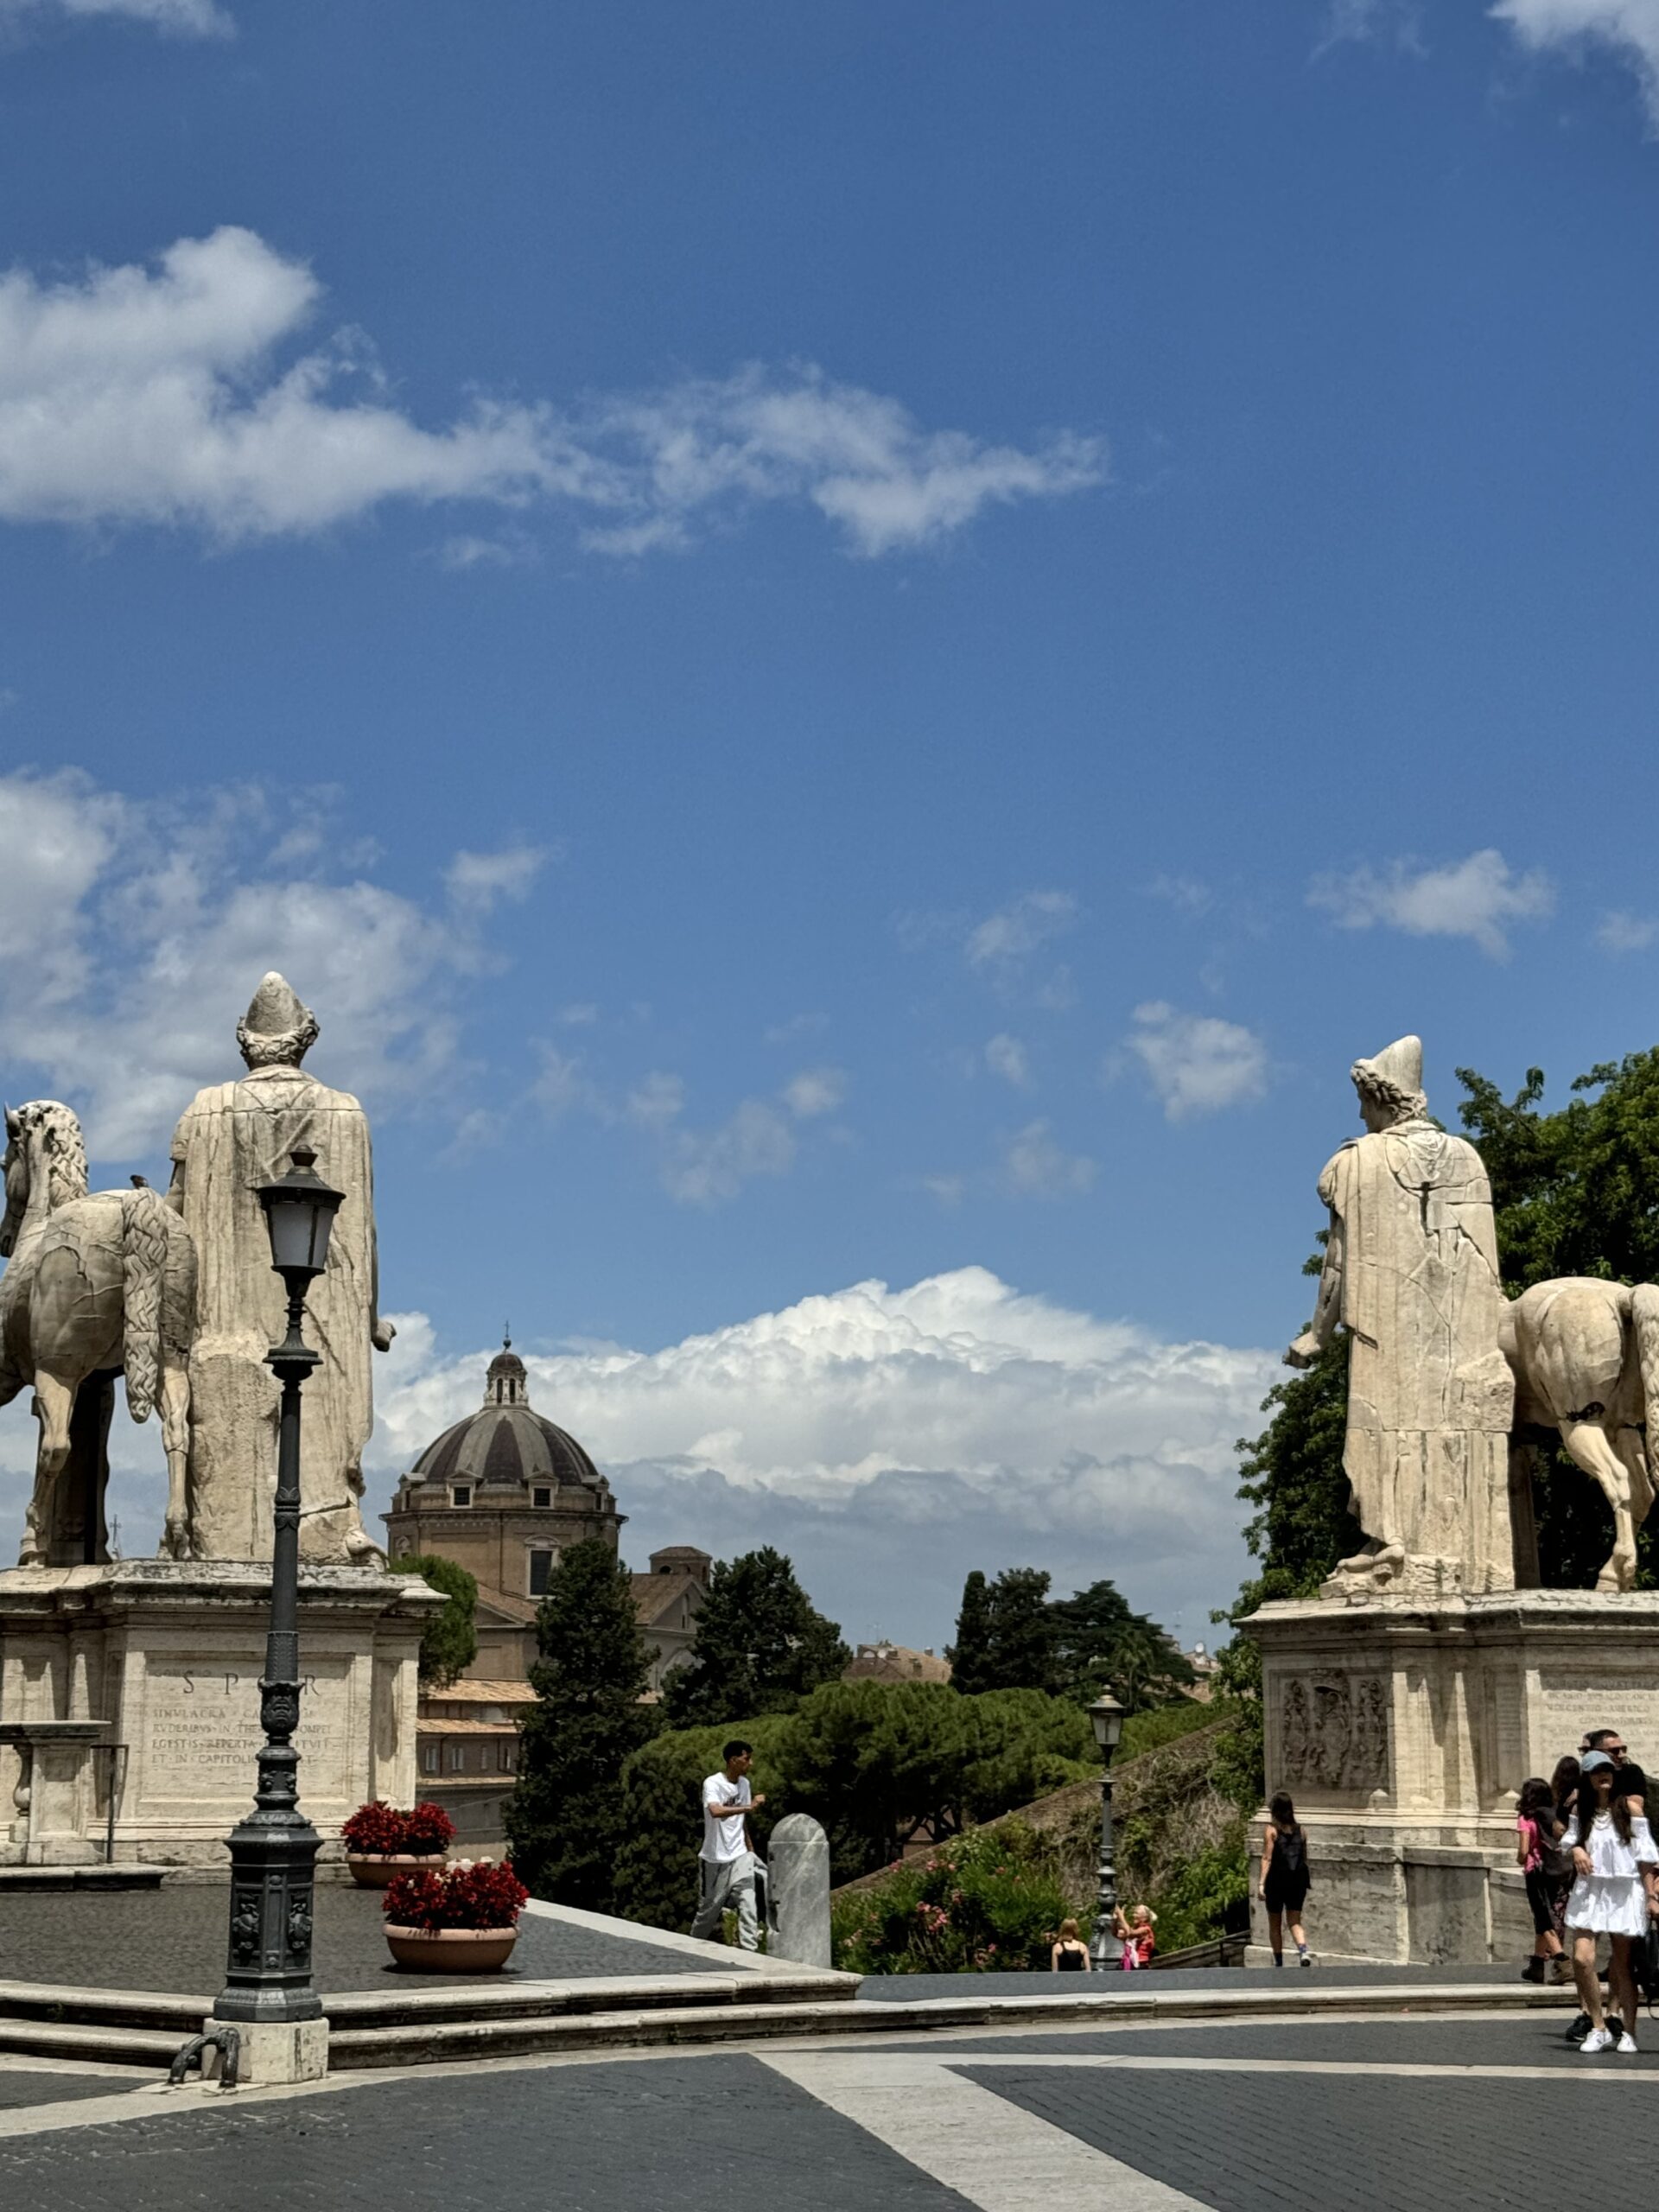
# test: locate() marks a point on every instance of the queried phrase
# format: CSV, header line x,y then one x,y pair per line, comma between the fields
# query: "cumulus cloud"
x,y
1477,898
174,18
890,1438
1007,1056
1037,1166
1621,932
1016,930
477,881
1629,28
134,933
1198,1063
815,1091
172,394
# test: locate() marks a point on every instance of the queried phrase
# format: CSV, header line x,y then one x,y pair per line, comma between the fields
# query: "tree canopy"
x,y
1011,1635
449,1640
761,1645
564,1818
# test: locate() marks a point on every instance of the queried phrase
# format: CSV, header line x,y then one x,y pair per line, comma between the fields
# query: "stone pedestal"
x,y
1404,1729
270,2053
167,1655
55,1796
798,1890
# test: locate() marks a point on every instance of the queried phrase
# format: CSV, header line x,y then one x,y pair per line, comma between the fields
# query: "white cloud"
x,y
892,1438
815,1091
476,881
1476,898
1187,894
1394,22
1621,932
1629,28
1017,930
175,18
658,1100
170,394
1007,1056
1198,1063
134,933
1037,1168
704,1168
947,1189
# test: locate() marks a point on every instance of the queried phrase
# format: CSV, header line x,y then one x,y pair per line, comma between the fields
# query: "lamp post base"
x,y
271,2053
273,1870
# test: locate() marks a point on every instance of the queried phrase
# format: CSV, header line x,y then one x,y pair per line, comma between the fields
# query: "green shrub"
x,y
982,1903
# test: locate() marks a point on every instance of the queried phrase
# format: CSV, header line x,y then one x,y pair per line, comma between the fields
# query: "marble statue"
x,y
234,1137
92,1284
1586,1356
1411,1273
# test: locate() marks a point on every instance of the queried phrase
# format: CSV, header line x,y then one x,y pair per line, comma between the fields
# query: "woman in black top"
x,y
1071,1954
1284,1879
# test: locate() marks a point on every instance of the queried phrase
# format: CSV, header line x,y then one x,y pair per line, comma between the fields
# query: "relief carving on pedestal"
x,y
1333,1730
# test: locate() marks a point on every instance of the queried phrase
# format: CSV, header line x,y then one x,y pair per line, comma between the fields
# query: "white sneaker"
x,y
1598,2039
1625,2044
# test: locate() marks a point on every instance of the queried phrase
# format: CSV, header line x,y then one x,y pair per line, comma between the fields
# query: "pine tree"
x,y
1105,1646
1024,1635
564,1818
761,1645
449,1640
970,1655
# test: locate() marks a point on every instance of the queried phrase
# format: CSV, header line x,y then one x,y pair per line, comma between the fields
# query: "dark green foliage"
x,y
760,1647
449,1640
970,1655
1101,1645
1007,1637
1154,1725
662,1815
989,1903
565,1817
870,1760
1206,1896
1293,1473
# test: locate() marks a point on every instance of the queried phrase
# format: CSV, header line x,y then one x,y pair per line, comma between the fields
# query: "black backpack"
x,y
1290,1850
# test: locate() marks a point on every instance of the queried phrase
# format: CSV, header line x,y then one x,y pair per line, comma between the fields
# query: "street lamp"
x,y
273,1852
1106,1718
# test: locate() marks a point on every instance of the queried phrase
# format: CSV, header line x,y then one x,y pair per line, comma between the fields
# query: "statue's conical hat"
x,y
275,1009
1401,1064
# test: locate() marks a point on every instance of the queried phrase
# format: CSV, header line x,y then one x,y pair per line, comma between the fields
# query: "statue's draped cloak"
x,y
1429,1393
234,1137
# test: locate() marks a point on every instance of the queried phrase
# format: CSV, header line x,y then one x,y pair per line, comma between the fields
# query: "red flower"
x,y
428,1829
375,1829
470,1894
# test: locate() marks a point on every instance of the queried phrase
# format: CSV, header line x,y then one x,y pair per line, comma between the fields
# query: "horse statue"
x,y
92,1284
1586,1356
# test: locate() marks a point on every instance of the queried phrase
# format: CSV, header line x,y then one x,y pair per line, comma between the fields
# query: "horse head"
x,y
43,1138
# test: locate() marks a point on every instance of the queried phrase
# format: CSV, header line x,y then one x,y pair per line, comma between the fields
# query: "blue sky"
x,y
854,647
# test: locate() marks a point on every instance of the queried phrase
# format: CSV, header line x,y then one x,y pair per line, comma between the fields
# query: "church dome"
x,y
506,1445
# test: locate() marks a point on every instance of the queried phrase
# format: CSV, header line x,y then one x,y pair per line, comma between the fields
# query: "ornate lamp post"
x,y
273,1852
1106,1718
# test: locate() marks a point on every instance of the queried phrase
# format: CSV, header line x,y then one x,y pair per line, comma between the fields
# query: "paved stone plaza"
x,y
1294,2113
172,1939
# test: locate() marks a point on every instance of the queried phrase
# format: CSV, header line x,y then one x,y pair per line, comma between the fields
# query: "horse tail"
x,y
143,1265
1644,1316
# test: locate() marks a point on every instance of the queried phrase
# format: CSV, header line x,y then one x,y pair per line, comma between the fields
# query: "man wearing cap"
x,y
234,1137
1411,1273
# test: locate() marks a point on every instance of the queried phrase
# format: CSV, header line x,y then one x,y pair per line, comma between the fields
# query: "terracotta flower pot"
x,y
452,1950
374,1869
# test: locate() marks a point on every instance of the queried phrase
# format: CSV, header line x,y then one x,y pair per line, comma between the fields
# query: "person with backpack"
x,y
1548,1868
1283,1887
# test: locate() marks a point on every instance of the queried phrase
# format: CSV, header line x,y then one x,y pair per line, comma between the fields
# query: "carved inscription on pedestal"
x,y
202,1731
1333,1730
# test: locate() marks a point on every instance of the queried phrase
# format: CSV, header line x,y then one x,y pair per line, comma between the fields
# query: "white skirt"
x,y
1608,1904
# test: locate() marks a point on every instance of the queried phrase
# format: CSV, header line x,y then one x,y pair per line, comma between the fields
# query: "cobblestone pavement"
x,y
1302,2117
173,1938
1179,1981
22,2086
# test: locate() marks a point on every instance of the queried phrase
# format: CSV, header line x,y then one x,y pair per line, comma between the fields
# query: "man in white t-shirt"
x,y
727,1862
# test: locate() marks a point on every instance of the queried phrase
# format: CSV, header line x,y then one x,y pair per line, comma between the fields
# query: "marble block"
x,y
798,1869
167,1654
270,2053
1403,1731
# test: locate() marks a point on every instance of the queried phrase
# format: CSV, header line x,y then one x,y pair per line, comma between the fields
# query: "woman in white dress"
x,y
1616,1890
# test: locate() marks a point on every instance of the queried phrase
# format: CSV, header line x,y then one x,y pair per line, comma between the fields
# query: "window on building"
x,y
456,1761
428,1758
541,1495
541,1565
460,1493
507,1756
